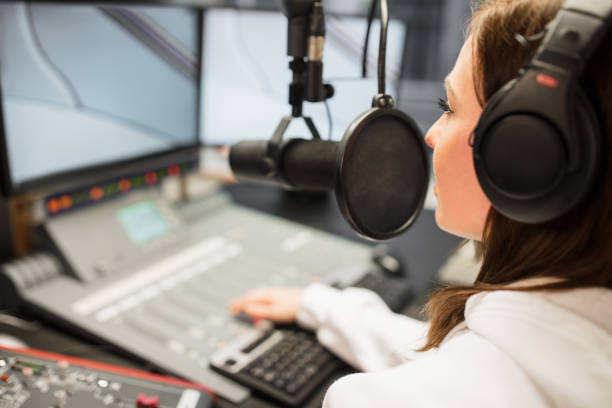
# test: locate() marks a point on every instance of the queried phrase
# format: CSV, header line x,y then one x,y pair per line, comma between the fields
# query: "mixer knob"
x,y
63,364
70,385
60,397
143,401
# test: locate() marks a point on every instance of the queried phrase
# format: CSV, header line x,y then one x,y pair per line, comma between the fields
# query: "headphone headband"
x,y
573,35
596,8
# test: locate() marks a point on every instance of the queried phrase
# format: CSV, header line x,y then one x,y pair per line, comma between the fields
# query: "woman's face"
x,y
462,206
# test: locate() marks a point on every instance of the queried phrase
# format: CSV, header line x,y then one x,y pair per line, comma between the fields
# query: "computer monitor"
x,y
92,92
246,74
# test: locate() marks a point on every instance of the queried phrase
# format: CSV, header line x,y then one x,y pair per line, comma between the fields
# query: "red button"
x,y
4,377
547,80
144,401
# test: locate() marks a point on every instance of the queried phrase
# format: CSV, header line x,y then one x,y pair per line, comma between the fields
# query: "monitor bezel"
x,y
88,175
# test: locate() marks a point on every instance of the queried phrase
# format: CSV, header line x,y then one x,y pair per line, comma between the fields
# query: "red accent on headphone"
x,y
547,80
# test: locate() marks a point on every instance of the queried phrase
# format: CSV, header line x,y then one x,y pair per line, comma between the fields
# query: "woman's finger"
x,y
253,296
270,312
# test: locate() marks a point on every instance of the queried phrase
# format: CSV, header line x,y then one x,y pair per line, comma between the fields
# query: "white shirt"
x,y
515,349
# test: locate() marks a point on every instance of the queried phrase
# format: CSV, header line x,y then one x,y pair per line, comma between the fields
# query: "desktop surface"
x,y
422,249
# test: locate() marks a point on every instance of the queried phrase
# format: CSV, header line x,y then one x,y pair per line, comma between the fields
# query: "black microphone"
x,y
305,165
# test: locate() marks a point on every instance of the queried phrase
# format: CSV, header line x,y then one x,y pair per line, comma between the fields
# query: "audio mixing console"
x,y
37,379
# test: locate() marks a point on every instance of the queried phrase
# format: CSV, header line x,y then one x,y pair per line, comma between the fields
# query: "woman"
x,y
535,329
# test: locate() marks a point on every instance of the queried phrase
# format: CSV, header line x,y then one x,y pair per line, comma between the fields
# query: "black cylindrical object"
x,y
316,43
307,165
315,92
296,37
310,164
248,162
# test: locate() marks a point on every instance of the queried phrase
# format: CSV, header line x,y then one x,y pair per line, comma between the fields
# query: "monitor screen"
x,y
245,74
84,86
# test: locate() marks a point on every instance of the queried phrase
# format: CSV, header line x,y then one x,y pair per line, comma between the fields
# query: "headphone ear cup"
x,y
523,156
532,168
589,132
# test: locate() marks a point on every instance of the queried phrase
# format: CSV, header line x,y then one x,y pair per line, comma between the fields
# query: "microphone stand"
x,y
306,29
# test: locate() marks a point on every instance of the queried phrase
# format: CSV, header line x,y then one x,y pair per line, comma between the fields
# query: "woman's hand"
x,y
279,305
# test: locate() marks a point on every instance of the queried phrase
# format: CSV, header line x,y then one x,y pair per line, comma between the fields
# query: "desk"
x,y
422,249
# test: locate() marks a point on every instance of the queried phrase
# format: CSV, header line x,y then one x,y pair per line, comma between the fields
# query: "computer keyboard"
x,y
287,364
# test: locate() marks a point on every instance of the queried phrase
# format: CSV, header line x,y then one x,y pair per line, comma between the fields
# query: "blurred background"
x,y
424,40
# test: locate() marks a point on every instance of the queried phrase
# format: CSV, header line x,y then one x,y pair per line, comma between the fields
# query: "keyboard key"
x,y
292,388
270,376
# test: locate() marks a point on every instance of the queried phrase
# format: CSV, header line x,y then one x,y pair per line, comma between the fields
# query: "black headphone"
x,y
538,145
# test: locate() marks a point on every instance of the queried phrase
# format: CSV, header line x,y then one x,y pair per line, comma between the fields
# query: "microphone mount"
x,y
305,37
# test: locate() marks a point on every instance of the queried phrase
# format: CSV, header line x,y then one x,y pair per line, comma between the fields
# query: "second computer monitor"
x,y
245,74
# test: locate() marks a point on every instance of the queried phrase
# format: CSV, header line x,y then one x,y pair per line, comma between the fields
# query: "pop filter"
x,y
383,173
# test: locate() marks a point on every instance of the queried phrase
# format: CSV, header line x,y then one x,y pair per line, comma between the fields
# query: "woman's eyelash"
x,y
444,106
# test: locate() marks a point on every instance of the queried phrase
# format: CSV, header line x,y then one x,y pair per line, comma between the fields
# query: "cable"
x,y
352,47
382,50
329,119
364,57
89,351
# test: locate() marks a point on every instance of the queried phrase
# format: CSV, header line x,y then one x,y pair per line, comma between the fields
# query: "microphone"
x,y
305,165
379,171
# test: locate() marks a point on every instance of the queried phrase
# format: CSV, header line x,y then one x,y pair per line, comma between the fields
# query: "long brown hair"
x,y
576,247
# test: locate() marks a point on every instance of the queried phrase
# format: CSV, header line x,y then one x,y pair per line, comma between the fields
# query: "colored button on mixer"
x,y
144,401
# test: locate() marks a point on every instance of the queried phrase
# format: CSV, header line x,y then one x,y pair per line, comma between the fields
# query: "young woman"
x,y
535,329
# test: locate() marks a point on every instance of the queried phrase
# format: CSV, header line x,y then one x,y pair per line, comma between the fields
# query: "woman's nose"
x,y
430,137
